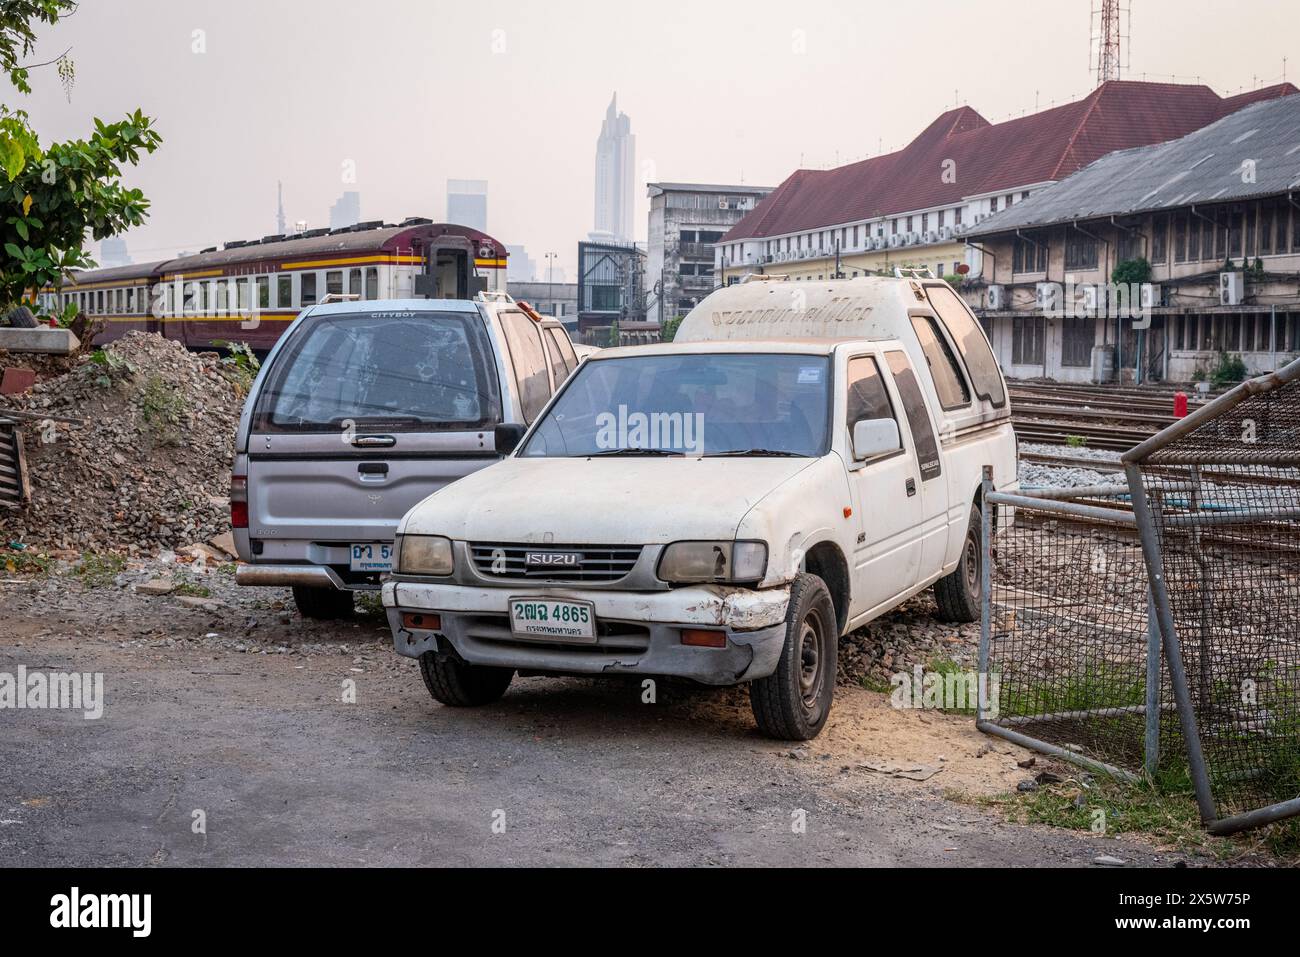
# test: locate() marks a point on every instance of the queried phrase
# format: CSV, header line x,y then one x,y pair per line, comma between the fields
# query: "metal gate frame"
x,y
1151,548
1058,502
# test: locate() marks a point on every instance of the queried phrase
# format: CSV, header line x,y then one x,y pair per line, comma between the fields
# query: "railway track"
x,y
1099,417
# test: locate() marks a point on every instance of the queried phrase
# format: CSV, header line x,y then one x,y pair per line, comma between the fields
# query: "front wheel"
x,y
959,595
458,684
794,702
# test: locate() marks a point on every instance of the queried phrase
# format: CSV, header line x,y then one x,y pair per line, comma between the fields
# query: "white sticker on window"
x,y
810,375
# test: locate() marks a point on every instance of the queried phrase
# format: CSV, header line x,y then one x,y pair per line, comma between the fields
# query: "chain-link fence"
x,y
1217,498
1068,637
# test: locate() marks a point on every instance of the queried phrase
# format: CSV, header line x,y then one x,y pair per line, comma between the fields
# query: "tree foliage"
x,y
55,197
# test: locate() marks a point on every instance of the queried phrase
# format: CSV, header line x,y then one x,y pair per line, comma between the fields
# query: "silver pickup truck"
x,y
361,411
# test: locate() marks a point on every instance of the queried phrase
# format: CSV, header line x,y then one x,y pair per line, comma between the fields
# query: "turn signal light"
x,y
421,622
704,639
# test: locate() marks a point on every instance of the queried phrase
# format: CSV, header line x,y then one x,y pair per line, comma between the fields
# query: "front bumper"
x,y
638,633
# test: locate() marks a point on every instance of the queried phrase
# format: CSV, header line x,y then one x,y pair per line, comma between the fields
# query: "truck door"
x,y
933,490
885,495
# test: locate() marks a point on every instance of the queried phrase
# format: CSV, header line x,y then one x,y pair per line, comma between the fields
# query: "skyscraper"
x,y
347,211
615,170
467,203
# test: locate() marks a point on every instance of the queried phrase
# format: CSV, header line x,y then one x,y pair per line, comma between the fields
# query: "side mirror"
x,y
508,436
872,437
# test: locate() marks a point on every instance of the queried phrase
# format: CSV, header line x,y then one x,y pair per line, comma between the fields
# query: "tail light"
x,y
239,501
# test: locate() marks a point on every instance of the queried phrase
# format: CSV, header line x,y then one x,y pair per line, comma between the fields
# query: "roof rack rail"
x,y
487,296
913,272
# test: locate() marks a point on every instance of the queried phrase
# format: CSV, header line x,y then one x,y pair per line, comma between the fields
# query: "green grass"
x,y
26,562
192,590
99,571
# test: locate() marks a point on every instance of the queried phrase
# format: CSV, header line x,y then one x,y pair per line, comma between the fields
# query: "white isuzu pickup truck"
x,y
803,458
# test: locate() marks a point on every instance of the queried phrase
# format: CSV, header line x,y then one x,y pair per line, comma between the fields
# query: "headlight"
x,y
424,555
713,562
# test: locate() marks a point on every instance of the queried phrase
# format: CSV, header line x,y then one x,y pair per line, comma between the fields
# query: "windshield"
x,y
720,404
414,371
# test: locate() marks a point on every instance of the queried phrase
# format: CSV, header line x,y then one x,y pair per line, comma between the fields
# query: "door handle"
x,y
373,468
911,487
374,442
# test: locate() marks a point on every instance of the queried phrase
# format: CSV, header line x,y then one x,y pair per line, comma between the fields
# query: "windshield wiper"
x,y
647,452
737,453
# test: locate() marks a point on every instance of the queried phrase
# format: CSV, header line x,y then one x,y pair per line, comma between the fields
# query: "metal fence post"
x,y
1152,763
986,593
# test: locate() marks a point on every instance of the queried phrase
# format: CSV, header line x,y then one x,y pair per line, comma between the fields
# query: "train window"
x,y
219,299
354,282
334,282
307,289
372,282
263,292
99,302
130,301
284,291
245,287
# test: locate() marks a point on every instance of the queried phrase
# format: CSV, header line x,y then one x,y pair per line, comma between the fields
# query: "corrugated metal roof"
x,y
988,158
1207,166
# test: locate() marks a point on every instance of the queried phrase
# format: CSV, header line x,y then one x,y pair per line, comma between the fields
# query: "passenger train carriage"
x,y
251,291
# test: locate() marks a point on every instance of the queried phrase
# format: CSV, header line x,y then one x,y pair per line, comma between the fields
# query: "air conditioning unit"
x,y
1049,297
1150,295
997,298
932,237
1232,287
945,233
1094,298
878,242
959,229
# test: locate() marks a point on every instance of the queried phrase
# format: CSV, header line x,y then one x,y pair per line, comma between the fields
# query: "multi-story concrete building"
x,y
913,208
615,175
558,299
1214,217
346,211
467,203
686,222
611,284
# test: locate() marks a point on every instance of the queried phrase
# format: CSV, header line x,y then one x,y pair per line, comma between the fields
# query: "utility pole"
x,y
550,280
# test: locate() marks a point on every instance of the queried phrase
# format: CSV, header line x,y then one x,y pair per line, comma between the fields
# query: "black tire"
x,y
459,684
959,594
795,701
323,604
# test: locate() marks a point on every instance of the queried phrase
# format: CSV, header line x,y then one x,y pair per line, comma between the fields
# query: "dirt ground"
x,y
223,707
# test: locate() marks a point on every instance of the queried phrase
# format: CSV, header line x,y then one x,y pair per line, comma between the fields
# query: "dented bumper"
x,y
638,633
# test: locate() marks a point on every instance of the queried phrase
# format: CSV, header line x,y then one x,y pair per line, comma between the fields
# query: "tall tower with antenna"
x,y
1109,38
279,210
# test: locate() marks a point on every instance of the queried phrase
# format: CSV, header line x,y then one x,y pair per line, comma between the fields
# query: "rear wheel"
x,y
959,594
794,702
458,684
324,604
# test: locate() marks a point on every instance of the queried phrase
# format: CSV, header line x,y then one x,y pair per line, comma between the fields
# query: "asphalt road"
x,y
562,772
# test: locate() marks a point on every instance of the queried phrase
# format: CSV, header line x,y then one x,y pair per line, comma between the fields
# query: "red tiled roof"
x,y
988,157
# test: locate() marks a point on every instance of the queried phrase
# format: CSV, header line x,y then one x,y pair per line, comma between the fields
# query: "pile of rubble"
x,y
148,469
910,635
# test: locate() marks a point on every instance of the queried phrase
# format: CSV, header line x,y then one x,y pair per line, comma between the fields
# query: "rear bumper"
x,y
640,634
307,576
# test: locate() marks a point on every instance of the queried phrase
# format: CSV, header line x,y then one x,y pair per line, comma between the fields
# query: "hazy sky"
x,y
410,93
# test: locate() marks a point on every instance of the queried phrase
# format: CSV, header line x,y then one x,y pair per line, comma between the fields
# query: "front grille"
x,y
599,563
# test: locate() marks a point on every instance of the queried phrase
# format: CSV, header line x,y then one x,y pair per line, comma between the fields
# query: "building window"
x,y
1160,240
1079,337
1024,195
1080,251
956,216
993,205
1266,216
1180,239
925,222
942,213
894,231
1027,341
1030,255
